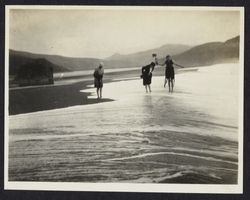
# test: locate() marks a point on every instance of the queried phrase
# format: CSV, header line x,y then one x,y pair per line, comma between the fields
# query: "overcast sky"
x,y
102,32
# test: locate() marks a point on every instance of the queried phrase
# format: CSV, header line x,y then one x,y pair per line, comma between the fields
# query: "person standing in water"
x,y
147,75
98,80
169,73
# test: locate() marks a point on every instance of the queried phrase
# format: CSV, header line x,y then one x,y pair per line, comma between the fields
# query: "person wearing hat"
x,y
147,75
98,82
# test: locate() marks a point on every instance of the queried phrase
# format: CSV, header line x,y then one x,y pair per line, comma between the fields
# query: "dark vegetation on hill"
x,y
19,58
35,72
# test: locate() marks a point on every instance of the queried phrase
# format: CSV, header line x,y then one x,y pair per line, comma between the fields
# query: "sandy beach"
x,y
188,136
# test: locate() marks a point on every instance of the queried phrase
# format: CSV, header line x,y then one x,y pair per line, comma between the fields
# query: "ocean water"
x,y
188,136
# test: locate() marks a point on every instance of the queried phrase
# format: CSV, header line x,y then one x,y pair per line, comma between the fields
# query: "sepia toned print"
x,y
141,99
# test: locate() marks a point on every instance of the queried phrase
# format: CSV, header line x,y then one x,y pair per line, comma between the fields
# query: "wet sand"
x,y
63,94
140,137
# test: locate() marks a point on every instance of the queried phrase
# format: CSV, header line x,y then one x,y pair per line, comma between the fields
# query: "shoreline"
x,y
67,92
64,94
31,100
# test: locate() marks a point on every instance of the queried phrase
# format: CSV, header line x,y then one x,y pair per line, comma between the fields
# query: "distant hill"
x,y
61,63
144,57
161,51
19,58
210,53
205,54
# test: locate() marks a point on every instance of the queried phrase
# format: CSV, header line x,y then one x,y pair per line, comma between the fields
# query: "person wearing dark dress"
x,y
147,75
98,82
169,73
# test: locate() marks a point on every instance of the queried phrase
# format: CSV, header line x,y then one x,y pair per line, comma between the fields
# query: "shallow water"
x,y
180,137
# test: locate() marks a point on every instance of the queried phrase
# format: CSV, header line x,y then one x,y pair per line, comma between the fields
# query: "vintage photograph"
x,y
124,98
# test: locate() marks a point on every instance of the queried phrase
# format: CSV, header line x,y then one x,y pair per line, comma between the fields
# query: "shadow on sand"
x,y
46,98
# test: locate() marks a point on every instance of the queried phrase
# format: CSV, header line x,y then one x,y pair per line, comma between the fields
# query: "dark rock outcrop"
x,y
36,72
